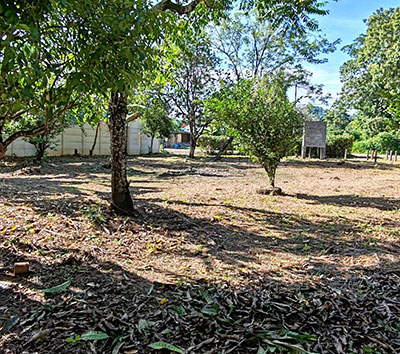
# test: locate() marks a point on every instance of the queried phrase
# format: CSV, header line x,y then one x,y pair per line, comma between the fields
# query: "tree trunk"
x,y
95,139
223,149
3,150
193,130
40,150
118,110
270,168
193,142
272,180
151,145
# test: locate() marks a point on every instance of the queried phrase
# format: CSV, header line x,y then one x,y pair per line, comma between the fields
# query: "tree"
x,y
36,71
157,123
371,78
193,78
253,46
44,141
337,118
260,117
113,43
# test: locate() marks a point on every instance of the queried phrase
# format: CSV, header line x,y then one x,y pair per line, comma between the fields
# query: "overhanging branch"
x,y
165,5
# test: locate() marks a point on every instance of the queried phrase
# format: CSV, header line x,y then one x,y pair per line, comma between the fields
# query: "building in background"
x,y
179,138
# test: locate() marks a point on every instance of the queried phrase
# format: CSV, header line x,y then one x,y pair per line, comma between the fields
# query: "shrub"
x,y
382,142
337,144
45,141
212,143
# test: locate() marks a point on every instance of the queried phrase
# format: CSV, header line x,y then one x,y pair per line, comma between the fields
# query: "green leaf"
x,y
302,338
94,335
58,288
143,325
73,339
163,345
210,310
166,331
294,347
10,323
206,296
261,350
179,310
117,347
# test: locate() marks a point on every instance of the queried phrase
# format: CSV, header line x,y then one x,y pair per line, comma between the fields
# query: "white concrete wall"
x,y
82,140
21,148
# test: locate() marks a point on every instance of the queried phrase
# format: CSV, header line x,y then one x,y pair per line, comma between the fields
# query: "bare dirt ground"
x,y
207,264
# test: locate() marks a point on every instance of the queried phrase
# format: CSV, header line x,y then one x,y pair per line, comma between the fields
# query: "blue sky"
x,y
344,21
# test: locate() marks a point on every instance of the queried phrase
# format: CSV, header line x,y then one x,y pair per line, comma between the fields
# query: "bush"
x,y
381,143
45,141
212,143
337,144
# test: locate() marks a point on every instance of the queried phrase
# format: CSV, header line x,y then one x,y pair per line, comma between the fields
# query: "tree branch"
x,y
40,129
165,5
14,116
133,116
25,133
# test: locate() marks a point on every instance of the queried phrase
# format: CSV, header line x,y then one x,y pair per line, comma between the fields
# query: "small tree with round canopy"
x,y
265,124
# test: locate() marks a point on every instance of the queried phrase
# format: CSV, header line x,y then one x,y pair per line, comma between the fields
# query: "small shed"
x,y
178,139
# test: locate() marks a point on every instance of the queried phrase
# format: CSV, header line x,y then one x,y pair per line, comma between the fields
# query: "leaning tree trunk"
x,y
118,110
95,139
40,150
223,149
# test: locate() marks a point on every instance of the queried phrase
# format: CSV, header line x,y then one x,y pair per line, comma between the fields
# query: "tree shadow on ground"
x,y
381,203
181,164
76,165
60,195
231,244
355,164
324,291
292,232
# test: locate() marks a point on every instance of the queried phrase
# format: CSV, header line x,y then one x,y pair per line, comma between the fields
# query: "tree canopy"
x,y
259,115
55,53
371,78
254,45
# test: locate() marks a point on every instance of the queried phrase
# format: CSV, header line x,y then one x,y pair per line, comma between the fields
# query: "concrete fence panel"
x,y
81,140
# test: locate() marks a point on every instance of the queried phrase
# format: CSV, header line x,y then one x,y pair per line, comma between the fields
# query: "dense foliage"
x,y
337,144
37,69
371,82
213,143
381,143
253,46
